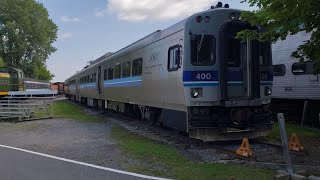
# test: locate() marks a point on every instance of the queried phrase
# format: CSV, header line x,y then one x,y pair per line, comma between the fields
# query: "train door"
x,y
239,65
99,86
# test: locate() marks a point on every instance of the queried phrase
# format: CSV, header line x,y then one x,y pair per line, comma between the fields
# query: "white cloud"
x,y
133,10
69,19
64,35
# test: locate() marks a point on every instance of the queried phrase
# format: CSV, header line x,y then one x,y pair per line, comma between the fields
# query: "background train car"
x,y
36,85
5,85
194,76
295,82
59,86
11,79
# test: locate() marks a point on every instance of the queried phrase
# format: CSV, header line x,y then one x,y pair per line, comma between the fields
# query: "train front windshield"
x,y
202,50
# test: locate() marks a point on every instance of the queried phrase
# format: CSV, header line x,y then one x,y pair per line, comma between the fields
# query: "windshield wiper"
x,y
200,45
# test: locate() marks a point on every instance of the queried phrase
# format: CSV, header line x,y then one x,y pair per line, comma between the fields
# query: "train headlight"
x,y
196,92
267,91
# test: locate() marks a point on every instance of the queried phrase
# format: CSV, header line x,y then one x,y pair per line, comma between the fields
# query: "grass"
x,y
174,165
69,110
293,129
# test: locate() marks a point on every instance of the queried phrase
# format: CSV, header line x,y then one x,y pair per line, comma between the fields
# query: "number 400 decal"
x,y
204,76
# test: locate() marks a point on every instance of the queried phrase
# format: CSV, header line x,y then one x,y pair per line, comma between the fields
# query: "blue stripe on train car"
x,y
211,78
198,76
88,85
124,82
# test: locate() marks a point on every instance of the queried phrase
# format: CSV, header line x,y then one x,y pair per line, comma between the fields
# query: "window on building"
x,y
174,58
110,73
203,50
94,77
137,67
117,72
279,70
126,69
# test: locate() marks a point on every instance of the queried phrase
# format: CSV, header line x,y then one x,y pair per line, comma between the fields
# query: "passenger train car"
x,y
194,76
294,82
36,84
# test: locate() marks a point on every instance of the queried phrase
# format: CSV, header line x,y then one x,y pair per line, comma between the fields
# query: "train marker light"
x,y
226,6
245,149
196,92
199,19
207,19
267,91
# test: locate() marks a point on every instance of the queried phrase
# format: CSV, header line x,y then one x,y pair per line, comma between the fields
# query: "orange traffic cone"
x,y
294,143
245,149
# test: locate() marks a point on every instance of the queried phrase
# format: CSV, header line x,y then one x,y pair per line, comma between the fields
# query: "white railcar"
x,y
194,76
294,82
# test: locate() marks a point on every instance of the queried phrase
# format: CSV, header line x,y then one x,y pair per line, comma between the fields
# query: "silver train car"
x,y
36,85
294,82
194,76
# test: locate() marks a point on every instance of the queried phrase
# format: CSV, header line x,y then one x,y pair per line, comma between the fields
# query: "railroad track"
x,y
261,148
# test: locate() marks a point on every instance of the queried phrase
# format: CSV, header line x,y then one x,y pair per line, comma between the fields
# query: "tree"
x,y
280,18
26,36
2,62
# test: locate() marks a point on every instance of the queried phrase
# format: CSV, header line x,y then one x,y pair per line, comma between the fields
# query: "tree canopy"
x,y
26,36
280,18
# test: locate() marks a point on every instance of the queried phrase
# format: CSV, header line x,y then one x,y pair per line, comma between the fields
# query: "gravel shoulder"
x,y
86,142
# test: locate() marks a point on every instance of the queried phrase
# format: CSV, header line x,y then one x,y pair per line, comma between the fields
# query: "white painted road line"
x,y
84,164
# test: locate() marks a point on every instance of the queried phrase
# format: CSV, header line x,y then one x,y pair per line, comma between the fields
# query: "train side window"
x,y
105,74
137,67
203,50
94,77
311,66
90,78
117,72
126,69
279,70
110,73
299,68
174,58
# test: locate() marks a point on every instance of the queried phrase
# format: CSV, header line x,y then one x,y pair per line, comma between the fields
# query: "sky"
x,y
90,28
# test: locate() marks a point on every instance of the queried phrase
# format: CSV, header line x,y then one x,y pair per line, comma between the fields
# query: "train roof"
x,y
11,68
4,75
153,37
36,80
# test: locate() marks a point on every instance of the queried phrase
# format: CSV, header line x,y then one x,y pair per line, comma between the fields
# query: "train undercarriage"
x,y
204,123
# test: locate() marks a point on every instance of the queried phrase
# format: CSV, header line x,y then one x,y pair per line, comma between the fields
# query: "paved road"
x,y
22,164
